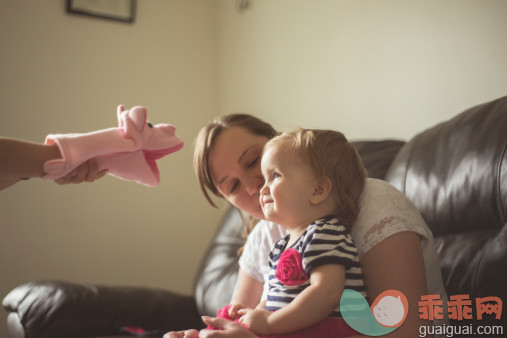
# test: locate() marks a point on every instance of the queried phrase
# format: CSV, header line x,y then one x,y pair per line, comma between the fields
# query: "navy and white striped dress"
x,y
325,241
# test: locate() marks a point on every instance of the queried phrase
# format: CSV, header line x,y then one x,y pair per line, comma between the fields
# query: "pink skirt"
x,y
328,328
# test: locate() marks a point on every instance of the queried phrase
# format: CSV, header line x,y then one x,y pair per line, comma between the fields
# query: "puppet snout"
x,y
166,128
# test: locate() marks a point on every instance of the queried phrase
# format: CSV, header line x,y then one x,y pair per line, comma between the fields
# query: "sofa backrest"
x,y
456,175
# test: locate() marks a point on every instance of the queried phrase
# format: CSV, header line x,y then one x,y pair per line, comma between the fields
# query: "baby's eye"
x,y
150,125
276,175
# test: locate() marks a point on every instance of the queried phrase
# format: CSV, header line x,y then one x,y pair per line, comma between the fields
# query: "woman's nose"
x,y
254,186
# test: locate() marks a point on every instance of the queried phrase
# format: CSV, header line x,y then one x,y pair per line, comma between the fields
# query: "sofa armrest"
x,y
62,309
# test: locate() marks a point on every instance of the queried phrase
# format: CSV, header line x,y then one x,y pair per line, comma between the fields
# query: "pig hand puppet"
x,y
129,151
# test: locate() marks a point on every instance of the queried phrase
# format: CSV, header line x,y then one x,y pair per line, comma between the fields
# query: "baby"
x,y
313,180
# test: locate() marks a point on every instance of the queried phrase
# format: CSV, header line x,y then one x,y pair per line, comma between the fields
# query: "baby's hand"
x,y
233,310
255,320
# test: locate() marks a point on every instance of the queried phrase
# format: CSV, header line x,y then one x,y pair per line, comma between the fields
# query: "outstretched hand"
x,y
86,172
226,328
182,334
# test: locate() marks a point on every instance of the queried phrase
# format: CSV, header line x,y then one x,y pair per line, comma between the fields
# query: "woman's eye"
x,y
234,187
150,125
276,175
251,164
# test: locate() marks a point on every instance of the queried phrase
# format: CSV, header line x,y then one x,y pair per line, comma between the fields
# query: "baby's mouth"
x,y
264,203
267,201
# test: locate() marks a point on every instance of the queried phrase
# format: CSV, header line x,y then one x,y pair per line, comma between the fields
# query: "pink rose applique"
x,y
290,268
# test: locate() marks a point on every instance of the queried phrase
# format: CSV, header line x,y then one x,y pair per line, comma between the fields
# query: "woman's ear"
x,y
321,191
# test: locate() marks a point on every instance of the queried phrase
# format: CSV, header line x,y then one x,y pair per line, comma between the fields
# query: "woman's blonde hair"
x,y
329,154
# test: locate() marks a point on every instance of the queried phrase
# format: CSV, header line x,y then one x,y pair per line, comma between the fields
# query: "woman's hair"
x,y
329,154
206,139
204,144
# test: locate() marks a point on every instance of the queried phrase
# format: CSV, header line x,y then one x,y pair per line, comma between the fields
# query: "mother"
x,y
395,246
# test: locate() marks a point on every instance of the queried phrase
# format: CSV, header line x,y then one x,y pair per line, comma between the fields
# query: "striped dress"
x,y
325,241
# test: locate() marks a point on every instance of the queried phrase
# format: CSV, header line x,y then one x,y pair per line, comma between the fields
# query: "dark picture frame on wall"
x,y
118,10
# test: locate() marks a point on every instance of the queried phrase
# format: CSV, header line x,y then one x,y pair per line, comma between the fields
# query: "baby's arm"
x,y
311,306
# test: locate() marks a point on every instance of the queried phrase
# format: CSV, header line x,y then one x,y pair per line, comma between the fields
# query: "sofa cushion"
x,y
49,309
219,270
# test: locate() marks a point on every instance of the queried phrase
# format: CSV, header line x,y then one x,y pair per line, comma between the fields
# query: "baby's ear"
x,y
321,190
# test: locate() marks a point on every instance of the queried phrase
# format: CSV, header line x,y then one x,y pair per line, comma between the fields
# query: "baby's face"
x,y
289,184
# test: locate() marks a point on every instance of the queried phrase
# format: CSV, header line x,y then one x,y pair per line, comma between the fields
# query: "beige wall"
x,y
63,73
372,69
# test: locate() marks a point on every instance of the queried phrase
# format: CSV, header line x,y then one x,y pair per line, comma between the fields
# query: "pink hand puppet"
x,y
129,151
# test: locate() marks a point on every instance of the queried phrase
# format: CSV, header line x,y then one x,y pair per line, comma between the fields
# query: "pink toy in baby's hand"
x,y
129,151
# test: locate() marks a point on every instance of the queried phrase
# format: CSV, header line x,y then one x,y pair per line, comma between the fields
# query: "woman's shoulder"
x,y
384,211
380,194
375,186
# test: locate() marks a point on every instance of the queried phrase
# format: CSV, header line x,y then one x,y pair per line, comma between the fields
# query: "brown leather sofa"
x,y
455,173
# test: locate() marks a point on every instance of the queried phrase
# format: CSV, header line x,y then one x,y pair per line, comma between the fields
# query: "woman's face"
x,y
235,167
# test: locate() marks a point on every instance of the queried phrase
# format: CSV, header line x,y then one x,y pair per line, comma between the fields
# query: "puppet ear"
x,y
132,123
120,110
137,118
321,190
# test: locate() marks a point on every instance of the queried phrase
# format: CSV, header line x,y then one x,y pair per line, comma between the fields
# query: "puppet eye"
x,y
150,125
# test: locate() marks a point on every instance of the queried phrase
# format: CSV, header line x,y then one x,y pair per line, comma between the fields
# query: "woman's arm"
x,y
397,263
24,159
247,294
248,290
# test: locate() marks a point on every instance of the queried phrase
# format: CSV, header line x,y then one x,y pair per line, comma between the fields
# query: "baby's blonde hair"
x,y
329,154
